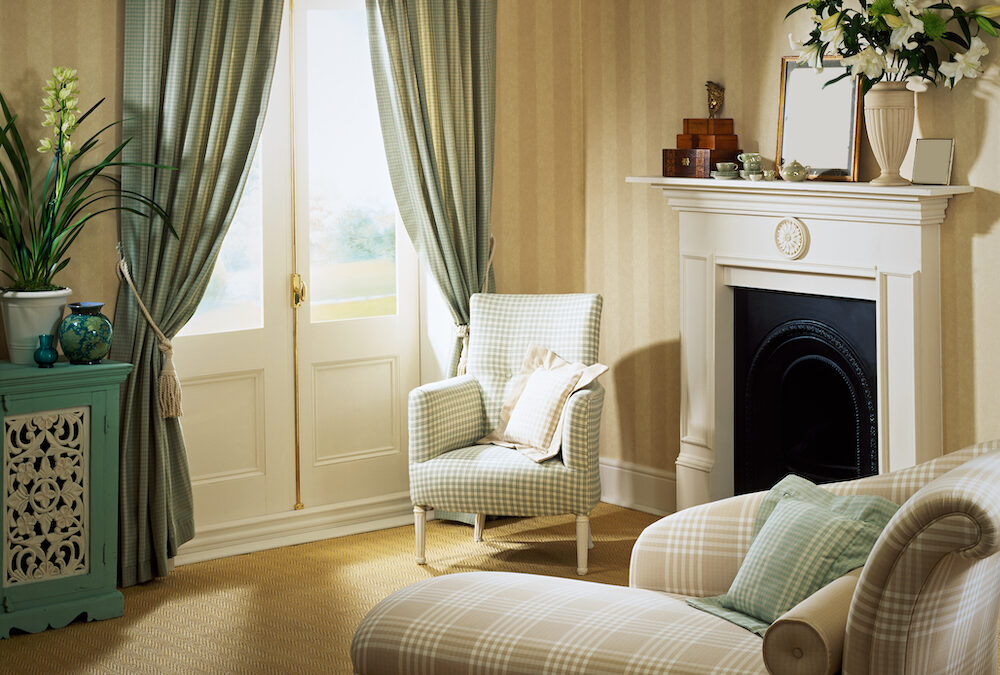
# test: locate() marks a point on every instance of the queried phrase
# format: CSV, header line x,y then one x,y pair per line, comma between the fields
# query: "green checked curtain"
x,y
197,78
435,72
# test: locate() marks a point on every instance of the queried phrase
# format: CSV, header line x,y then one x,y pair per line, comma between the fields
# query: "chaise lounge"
x,y
926,601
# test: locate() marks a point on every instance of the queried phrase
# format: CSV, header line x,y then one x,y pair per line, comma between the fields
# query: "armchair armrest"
x,y
697,551
929,595
581,432
444,416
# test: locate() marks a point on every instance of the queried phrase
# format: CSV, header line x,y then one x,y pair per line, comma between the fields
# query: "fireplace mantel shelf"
x,y
905,205
862,241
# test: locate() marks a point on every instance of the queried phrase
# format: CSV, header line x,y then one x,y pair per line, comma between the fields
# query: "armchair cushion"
x,y
532,413
808,538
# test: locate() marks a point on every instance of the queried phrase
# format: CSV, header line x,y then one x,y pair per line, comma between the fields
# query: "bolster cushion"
x,y
809,638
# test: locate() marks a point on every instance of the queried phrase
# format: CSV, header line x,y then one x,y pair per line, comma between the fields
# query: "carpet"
x,y
294,609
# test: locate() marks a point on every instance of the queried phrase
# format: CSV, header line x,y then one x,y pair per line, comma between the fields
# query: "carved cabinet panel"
x,y
59,496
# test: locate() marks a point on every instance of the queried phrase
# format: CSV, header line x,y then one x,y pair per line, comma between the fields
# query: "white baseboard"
x,y
297,527
638,487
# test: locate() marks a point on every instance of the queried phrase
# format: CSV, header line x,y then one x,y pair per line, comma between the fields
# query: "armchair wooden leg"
x,y
477,534
582,538
420,530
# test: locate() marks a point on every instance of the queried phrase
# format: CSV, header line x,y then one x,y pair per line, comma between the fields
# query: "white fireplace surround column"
x,y
857,241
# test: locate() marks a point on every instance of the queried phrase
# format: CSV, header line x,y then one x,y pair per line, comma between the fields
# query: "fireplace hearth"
x,y
804,388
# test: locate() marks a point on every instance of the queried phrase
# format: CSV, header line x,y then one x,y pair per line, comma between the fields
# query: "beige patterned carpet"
x,y
294,609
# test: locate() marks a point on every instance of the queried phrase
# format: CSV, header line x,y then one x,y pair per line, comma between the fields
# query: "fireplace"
x,y
863,242
804,388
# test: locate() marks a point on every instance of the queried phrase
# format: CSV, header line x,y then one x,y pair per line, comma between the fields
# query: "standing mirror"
x,y
819,125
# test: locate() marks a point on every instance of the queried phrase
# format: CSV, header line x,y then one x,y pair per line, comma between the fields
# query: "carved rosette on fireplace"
x,y
853,241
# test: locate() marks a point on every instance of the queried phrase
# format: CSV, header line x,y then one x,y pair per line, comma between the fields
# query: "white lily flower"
x,y
965,65
916,83
977,48
832,32
811,55
904,27
867,62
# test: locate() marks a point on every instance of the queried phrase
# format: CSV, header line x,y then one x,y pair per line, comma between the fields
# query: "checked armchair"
x,y
451,471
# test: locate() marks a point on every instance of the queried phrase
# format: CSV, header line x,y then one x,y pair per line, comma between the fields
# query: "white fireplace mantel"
x,y
862,241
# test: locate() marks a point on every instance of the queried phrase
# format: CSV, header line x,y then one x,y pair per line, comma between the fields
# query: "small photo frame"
x,y
932,161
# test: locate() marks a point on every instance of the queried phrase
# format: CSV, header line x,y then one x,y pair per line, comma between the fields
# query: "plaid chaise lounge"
x,y
927,600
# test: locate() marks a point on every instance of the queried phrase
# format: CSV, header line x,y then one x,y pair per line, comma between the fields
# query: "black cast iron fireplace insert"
x,y
804,384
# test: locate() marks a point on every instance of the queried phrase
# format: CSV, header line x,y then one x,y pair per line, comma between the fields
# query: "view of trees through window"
x,y
352,210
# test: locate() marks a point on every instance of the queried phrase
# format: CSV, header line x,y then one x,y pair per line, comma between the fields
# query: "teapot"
x,y
794,171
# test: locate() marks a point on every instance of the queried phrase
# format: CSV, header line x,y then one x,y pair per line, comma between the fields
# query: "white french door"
x,y
291,409
358,332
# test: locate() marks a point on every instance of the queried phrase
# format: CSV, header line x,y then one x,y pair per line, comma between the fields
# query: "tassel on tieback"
x,y
169,385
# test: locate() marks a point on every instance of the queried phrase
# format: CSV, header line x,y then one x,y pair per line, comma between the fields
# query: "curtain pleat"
x,y
196,82
435,78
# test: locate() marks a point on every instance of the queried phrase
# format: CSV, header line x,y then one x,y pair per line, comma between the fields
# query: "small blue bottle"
x,y
46,354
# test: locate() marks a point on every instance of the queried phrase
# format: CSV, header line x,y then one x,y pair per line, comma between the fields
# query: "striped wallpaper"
x,y
588,92
644,64
34,37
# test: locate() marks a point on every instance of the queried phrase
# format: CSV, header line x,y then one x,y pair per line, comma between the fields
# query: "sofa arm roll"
x,y
930,584
697,551
445,416
809,638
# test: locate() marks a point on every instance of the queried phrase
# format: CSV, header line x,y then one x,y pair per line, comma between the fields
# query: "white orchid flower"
x,y
45,145
867,62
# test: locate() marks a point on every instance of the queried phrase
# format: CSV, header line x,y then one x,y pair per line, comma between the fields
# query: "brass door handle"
x,y
298,291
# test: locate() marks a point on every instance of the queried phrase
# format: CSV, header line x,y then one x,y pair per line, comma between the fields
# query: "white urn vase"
x,y
28,314
889,109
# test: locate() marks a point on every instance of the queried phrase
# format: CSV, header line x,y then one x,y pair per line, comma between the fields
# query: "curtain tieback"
x,y
462,333
168,384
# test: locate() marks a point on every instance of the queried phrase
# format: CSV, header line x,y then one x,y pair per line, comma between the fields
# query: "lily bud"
x,y
988,11
831,22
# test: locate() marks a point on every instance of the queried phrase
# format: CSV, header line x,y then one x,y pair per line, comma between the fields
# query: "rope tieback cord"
x,y
168,385
462,330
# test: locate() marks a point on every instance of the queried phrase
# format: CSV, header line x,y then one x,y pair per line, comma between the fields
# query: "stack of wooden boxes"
x,y
703,143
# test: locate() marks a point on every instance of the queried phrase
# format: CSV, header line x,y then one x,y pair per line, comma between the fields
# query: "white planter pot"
x,y
28,314
889,112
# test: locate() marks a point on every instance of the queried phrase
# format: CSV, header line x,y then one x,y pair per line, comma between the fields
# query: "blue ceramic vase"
x,y
46,354
85,335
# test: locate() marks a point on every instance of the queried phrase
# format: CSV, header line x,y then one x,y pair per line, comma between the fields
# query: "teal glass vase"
x,y
85,334
46,354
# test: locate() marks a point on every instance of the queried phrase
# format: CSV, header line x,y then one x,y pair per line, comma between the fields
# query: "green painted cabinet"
x,y
59,502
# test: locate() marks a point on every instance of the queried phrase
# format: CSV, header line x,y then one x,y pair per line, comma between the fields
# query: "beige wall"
x,y
539,154
644,65
588,92
35,37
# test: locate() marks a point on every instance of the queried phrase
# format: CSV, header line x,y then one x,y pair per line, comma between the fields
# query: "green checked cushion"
x,y
805,538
